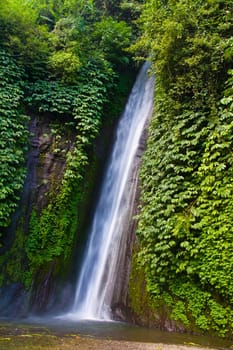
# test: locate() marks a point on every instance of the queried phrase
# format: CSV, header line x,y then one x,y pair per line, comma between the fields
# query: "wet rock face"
x,y
48,294
47,158
120,304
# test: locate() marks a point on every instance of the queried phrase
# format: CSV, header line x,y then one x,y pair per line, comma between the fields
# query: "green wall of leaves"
x,y
185,221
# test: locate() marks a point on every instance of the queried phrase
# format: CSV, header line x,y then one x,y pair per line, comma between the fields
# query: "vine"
x,y
14,137
185,221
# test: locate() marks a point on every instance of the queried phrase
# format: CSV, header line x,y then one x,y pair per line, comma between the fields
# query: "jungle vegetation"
x,y
68,59
65,60
185,225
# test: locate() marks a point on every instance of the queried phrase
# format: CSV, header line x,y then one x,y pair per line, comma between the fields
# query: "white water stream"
x,y
95,283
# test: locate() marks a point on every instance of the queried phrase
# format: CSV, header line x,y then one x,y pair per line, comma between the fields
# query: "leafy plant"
x,y
185,220
14,137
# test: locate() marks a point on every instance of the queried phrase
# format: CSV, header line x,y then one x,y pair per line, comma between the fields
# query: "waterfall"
x,y
107,237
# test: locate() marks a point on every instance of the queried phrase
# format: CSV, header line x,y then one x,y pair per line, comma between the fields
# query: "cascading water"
x,y
95,284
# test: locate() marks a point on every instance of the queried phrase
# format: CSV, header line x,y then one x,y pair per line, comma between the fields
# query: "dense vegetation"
x,y
185,224
13,136
68,61
64,60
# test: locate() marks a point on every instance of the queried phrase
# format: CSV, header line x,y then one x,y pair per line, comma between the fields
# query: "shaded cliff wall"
x,y
46,162
53,285
51,142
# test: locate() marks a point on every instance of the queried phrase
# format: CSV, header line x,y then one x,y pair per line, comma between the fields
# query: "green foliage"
x,y
66,64
113,37
72,53
51,97
206,313
82,101
185,223
131,9
22,36
14,137
58,38
52,231
72,59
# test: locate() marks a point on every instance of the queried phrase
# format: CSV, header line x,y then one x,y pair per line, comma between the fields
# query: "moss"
x,y
13,261
139,300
